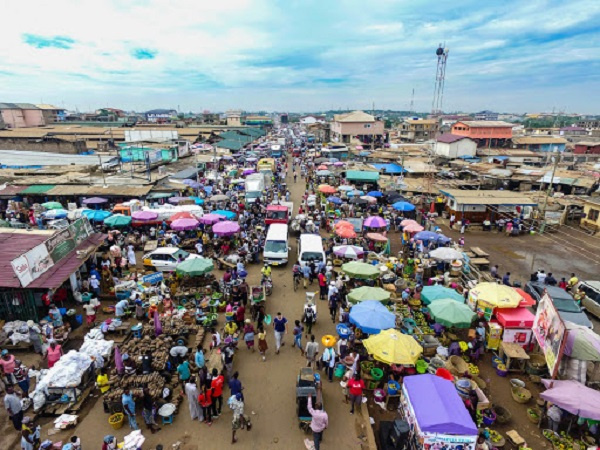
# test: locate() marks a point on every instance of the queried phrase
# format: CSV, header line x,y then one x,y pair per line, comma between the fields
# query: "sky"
x,y
301,55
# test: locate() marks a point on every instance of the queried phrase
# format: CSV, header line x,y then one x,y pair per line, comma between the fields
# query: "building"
x,y
589,123
356,124
540,143
234,118
573,131
587,148
21,115
258,121
52,114
591,215
486,115
160,115
486,133
418,130
479,205
452,146
284,118
309,120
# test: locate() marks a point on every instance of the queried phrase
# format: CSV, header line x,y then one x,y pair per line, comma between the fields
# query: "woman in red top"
x,y
216,385
355,389
205,400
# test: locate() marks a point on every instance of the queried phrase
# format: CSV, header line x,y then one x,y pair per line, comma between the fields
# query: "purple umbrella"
x,y
248,171
184,224
209,219
94,201
144,215
375,222
339,164
119,360
176,200
157,326
188,182
574,397
226,228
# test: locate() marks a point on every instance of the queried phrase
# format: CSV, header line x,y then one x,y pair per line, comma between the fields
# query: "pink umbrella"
x,y
407,222
157,325
339,164
413,228
210,219
144,215
184,224
119,360
369,198
176,200
375,222
226,228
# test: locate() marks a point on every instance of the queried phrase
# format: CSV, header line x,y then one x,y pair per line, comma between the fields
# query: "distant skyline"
x,y
308,55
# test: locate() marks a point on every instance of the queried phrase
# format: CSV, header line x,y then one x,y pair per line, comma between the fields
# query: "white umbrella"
x,y
446,254
348,251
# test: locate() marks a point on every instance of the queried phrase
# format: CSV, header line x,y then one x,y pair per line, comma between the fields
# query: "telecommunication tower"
x,y
440,79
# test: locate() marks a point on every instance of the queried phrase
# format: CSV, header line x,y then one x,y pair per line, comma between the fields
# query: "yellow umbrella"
x,y
497,295
392,347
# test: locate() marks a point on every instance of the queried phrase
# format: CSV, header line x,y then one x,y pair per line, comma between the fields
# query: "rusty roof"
x,y
12,190
14,243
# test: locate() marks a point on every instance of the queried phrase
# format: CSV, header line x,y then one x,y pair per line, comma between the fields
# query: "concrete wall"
x,y
482,132
33,117
13,118
357,128
48,145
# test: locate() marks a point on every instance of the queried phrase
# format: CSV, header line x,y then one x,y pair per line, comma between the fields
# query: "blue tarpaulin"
x,y
391,169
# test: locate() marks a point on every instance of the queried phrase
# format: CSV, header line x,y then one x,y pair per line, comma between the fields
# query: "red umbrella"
x,y
376,237
345,232
326,189
322,167
181,215
343,224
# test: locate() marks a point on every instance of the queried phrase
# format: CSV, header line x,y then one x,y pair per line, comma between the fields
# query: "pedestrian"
x,y
147,361
309,317
236,403
328,362
191,391
235,385
205,400
298,329
199,359
228,353
333,305
280,327
53,353
554,414
28,435
12,403
311,352
129,408
322,278
249,333
131,256
183,370
506,279
35,336
21,375
7,367
319,422
217,392
262,342
148,409
355,389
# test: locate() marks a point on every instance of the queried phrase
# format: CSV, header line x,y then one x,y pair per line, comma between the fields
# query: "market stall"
x,y
436,414
517,325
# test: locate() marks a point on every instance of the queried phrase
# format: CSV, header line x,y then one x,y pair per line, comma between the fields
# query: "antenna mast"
x,y
440,80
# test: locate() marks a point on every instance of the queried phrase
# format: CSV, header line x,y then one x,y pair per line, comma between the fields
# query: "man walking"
x,y
280,326
129,408
311,352
12,403
319,422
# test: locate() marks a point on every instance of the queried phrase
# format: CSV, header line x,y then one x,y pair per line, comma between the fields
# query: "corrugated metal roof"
x,y
14,243
362,175
488,197
11,191
100,191
229,144
38,189
11,158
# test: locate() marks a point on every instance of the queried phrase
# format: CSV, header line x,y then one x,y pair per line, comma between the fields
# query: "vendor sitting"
x,y
121,308
230,328
178,353
168,304
129,366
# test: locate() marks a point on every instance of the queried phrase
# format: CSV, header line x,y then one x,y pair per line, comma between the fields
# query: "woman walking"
x,y
262,342
249,334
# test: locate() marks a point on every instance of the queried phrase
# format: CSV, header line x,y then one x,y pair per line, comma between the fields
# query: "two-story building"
x,y
418,130
573,131
486,115
52,114
591,214
356,124
487,133
21,115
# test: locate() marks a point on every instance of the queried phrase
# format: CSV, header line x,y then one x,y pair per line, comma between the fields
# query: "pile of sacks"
x,y
17,331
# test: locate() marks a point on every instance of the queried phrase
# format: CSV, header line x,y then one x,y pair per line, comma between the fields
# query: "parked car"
x,y
567,307
165,259
591,300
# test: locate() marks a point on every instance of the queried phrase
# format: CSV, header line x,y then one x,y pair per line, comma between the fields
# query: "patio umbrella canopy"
x,y
426,236
226,228
335,200
181,215
176,200
219,198
437,292
403,206
56,214
343,224
498,295
375,222
144,215
369,199
408,221
376,194
360,270
94,201
323,173
376,237
326,189
227,214
413,228
97,215
348,251
53,205
118,220
446,254
582,343
450,313
365,293
210,219
194,267
345,232
372,317
184,224
393,347
573,397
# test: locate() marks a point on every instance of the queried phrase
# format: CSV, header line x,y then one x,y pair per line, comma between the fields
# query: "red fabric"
x,y
355,387
205,400
515,318
217,386
527,299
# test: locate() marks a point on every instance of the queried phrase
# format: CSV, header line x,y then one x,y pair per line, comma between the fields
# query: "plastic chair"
x,y
167,419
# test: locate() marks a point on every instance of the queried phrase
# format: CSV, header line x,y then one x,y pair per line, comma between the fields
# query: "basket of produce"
x,y
533,414
497,439
328,340
456,365
503,415
366,366
520,395
473,369
415,303
108,309
421,366
488,416
501,370
482,384
496,360
116,420
536,365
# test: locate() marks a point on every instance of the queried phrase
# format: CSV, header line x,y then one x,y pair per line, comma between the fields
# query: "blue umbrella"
x,y
97,215
335,200
198,200
355,192
443,239
427,236
403,206
227,214
208,189
375,194
372,317
55,214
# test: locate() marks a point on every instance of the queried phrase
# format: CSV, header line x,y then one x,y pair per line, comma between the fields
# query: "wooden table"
x,y
479,252
513,352
480,262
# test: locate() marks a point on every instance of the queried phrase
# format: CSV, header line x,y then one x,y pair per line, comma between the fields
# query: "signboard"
x,y
80,230
60,244
521,336
485,310
153,278
549,331
32,264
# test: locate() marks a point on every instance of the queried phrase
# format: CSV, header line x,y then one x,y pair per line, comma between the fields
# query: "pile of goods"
x,y
159,347
473,369
496,437
562,441
171,327
154,381
16,331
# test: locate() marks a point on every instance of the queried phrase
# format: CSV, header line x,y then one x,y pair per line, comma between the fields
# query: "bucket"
x,y
501,370
463,386
496,360
229,317
379,395
421,366
489,418
376,373
339,371
116,420
393,387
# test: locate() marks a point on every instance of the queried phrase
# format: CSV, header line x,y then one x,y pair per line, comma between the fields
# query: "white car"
x,y
165,259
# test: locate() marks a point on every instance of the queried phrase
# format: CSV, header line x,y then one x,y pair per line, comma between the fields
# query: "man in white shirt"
x,y
199,247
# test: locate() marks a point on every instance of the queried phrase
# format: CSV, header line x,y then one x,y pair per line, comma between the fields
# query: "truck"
x,y
255,186
266,165
277,214
276,151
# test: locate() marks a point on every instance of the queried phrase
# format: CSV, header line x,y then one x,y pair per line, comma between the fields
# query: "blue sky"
x,y
301,55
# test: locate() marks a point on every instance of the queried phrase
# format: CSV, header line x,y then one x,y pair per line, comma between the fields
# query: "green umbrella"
x,y
368,293
118,220
4,224
450,313
194,267
362,270
437,292
52,205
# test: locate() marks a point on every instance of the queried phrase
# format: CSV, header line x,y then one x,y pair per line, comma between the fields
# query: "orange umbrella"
x,y
343,224
407,222
182,215
345,232
376,237
322,167
326,189
413,228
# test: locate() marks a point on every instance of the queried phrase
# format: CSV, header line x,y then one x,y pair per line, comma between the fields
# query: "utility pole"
x,y
373,130
102,169
548,192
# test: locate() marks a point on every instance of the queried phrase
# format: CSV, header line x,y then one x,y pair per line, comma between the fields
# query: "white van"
x,y
276,245
310,248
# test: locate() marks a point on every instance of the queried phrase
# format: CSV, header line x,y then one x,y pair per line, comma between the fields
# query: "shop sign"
x,y
549,331
79,231
60,245
31,265
153,278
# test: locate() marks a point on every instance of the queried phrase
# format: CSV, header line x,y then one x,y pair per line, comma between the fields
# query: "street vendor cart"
x,y
308,384
258,296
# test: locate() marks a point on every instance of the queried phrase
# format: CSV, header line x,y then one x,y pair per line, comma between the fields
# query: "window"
x,y
367,125
594,214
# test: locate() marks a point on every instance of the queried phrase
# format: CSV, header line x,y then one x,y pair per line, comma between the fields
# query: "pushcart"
x,y
258,295
308,384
